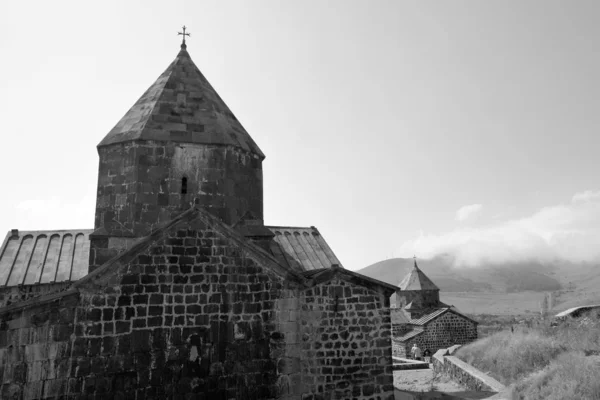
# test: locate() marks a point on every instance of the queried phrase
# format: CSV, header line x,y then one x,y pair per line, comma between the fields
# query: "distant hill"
x,y
516,277
500,289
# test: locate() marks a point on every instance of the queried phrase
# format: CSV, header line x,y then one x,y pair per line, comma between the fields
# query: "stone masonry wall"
x,y
346,342
444,331
35,348
190,315
463,373
140,184
399,349
197,314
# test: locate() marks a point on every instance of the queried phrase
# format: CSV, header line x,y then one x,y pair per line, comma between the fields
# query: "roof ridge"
x,y
186,217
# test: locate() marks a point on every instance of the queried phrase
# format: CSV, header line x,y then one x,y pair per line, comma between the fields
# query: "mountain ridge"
x,y
514,277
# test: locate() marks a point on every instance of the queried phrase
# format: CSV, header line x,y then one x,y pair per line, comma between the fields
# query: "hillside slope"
x,y
516,277
500,289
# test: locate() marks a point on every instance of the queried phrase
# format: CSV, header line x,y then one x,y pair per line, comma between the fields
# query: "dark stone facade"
x,y
187,294
197,311
346,341
420,317
444,331
140,184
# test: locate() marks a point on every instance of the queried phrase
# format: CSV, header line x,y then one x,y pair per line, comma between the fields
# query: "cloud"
x,y
466,212
565,232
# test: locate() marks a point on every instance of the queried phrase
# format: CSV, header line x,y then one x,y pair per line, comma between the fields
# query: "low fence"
x,y
459,371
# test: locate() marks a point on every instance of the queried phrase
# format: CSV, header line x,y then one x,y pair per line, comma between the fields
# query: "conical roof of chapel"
x,y
417,280
182,106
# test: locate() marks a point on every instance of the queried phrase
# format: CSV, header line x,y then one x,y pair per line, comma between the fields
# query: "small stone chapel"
x,y
180,290
419,317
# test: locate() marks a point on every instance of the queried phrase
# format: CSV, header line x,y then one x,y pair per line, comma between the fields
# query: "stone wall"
x,y
140,184
196,312
463,373
35,349
191,315
400,329
346,332
444,331
194,315
399,349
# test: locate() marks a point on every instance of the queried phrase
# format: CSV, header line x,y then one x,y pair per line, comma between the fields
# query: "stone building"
x,y
180,290
418,316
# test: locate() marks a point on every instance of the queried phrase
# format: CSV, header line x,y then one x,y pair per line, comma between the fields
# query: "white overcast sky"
x,y
395,127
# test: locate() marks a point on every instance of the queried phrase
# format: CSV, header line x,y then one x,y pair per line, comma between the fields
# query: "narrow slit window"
x,y
184,185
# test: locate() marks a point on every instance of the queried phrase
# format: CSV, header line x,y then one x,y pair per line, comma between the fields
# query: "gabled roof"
x,y
182,106
102,274
304,249
417,280
34,257
326,274
401,316
429,316
410,334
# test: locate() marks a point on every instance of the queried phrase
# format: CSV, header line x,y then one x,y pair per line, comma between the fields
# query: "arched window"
x,y
184,185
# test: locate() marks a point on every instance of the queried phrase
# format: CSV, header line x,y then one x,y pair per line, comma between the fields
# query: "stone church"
x,y
180,290
418,316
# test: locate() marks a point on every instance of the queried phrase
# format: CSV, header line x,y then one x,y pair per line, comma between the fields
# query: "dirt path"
x,y
423,383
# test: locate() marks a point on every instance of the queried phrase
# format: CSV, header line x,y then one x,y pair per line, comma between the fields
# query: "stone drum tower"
x,y
177,145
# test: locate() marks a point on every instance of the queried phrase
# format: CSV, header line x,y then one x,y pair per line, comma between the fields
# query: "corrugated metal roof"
x,y
303,249
417,280
428,317
401,316
574,309
32,257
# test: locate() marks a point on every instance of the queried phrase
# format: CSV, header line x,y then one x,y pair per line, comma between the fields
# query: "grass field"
x,y
519,303
543,362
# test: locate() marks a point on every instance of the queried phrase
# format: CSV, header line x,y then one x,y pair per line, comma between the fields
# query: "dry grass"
x,y
511,356
544,362
571,376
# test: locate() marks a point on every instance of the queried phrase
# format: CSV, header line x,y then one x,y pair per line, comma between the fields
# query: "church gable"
x,y
169,247
346,332
173,315
439,329
187,293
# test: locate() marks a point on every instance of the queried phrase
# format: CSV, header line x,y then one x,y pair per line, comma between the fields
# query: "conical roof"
x,y
182,106
417,280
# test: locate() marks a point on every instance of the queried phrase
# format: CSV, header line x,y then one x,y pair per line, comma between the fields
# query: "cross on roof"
x,y
184,35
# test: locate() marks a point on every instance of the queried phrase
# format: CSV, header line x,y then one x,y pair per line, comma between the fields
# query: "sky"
x,y
397,128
